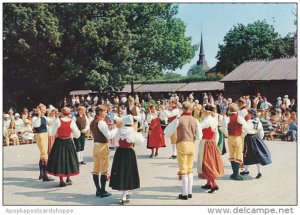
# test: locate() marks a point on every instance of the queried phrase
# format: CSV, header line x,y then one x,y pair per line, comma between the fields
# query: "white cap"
x,y
6,116
17,114
278,98
286,96
197,101
51,108
26,121
127,120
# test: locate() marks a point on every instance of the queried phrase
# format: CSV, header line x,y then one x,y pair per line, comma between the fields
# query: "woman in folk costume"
x,y
155,136
255,150
124,172
188,130
53,114
209,165
220,137
172,114
63,161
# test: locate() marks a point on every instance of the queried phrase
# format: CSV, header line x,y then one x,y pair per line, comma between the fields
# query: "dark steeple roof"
x,y
202,60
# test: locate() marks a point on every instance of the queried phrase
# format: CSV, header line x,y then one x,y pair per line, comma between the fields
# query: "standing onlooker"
x,y
292,132
287,100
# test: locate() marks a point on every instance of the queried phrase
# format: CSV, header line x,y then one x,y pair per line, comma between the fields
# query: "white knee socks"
x,y
246,168
124,193
190,183
258,168
78,156
184,185
174,149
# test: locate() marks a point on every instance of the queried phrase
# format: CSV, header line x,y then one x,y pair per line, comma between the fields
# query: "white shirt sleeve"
x,y
224,125
260,130
105,131
75,130
87,127
199,133
170,129
138,139
246,128
54,127
36,122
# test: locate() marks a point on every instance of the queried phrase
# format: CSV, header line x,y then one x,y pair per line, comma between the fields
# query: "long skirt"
x,y
256,151
156,137
221,143
212,164
63,160
124,171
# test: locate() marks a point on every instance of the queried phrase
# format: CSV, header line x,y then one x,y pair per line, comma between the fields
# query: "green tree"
x,y
197,71
55,48
253,41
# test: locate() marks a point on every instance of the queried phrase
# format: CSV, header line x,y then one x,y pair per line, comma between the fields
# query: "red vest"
x,y
64,131
171,119
208,134
125,144
234,128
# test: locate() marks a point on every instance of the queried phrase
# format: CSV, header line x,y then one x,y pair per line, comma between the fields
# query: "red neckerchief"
x,y
174,107
186,114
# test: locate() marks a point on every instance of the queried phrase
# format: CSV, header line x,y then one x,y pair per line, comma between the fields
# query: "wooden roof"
x,y
280,69
202,86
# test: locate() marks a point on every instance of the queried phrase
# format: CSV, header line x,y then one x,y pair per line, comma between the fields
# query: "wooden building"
x,y
270,78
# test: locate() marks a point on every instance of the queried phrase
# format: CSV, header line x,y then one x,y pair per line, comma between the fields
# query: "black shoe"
x,y
237,177
258,176
174,156
151,156
127,196
190,196
125,202
104,194
206,186
98,193
62,184
82,163
40,177
156,154
183,197
213,189
244,173
47,178
69,182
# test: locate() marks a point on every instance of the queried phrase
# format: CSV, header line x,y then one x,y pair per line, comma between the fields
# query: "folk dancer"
x,y
188,130
255,150
39,123
124,172
63,161
172,114
233,127
101,134
209,164
156,137
83,125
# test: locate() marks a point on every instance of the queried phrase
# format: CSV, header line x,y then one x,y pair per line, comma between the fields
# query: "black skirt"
x,y
256,151
63,160
124,171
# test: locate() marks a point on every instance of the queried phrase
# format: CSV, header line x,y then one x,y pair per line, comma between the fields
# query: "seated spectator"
x,y
292,129
11,135
278,103
24,114
19,123
27,133
293,105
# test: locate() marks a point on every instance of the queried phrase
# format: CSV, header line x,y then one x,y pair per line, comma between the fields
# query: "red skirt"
x,y
212,164
156,137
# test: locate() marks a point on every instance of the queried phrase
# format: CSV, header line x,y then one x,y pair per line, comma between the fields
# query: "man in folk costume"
x,y
101,135
133,110
172,114
233,127
188,130
209,164
156,137
39,123
83,126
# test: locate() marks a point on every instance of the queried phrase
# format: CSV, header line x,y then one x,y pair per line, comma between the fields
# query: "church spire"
x,y
202,60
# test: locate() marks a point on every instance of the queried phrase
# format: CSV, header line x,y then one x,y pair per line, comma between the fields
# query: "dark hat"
x,y
253,113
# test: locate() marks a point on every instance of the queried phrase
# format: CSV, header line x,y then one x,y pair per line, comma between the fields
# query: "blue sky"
x,y
217,19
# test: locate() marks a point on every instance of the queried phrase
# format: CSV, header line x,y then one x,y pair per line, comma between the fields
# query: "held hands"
x,y
39,111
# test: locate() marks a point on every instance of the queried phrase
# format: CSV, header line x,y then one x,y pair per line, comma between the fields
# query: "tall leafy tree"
x,y
197,71
249,42
50,49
